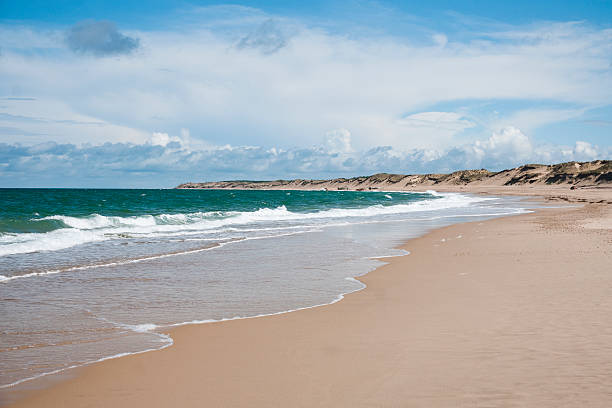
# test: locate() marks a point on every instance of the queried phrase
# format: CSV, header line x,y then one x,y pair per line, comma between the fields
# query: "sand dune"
x,y
565,175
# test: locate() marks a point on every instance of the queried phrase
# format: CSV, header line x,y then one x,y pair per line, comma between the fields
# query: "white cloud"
x,y
294,91
439,120
161,139
510,143
338,141
171,162
440,39
585,150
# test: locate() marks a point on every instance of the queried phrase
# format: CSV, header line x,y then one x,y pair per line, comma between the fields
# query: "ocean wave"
x,y
96,227
219,244
47,241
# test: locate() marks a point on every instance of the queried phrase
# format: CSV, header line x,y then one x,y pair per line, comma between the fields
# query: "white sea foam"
x,y
114,263
401,252
95,227
48,241
142,328
142,259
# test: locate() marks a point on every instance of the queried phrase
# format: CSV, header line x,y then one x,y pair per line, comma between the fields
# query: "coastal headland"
x,y
513,311
531,176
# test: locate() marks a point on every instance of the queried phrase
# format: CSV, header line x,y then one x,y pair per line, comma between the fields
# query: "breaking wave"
x,y
73,231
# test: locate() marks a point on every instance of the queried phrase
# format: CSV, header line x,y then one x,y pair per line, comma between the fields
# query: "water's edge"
x,y
165,331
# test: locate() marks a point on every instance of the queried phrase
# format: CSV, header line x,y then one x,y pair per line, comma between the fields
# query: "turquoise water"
x,y
43,219
28,210
91,274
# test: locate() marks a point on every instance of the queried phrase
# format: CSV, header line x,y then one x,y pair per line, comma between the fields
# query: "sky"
x,y
153,94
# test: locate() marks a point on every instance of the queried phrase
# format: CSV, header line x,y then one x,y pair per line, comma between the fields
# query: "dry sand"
x,y
509,312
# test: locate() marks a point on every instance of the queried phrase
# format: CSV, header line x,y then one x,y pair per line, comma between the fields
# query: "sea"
x,y
93,274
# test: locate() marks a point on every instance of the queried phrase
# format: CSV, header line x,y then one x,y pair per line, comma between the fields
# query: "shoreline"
x,y
161,330
96,376
39,382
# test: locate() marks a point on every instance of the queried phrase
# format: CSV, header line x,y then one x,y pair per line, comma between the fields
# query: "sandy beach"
x,y
337,204
514,311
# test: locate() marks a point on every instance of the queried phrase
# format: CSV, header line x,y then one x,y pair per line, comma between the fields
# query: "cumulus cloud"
x,y
99,38
510,143
167,160
584,151
163,139
338,141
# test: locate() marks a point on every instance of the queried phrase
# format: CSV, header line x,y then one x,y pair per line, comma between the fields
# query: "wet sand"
x,y
514,311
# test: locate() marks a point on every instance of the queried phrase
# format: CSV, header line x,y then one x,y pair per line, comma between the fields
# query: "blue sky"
x,y
144,14
151,94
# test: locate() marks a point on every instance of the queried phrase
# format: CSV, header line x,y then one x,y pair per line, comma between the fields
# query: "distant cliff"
x,y
573,174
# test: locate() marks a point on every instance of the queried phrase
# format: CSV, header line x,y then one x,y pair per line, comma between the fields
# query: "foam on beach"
x,y
75,231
